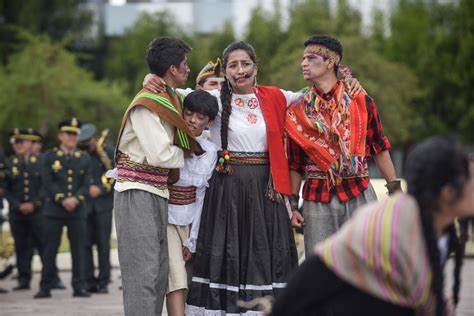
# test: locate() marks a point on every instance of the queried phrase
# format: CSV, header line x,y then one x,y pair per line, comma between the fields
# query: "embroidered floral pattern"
x,y
253,103
239,102
252,118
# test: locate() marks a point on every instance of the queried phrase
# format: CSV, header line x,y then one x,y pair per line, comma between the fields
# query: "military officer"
x,y
23,192
37,143
36,149
2,179
100,201
66,178
2,190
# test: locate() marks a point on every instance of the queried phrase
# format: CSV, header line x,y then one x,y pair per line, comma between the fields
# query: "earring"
x,y
255,81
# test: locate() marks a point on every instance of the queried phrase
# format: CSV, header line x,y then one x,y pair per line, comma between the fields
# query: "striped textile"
x,y
248,158
382,251
182,195
312,171
135,172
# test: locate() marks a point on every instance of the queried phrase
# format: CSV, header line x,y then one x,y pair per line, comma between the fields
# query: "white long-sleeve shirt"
x,y
197,171
148,139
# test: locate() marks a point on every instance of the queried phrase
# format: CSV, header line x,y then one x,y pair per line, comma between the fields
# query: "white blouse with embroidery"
x,y
247,128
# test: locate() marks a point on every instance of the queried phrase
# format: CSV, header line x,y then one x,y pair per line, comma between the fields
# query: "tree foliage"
x,y
440,53
419,71
43,85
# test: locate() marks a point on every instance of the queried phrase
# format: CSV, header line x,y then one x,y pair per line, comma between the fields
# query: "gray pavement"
x,y
62,302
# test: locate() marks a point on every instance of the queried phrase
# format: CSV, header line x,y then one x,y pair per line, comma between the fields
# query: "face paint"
x,y
313,58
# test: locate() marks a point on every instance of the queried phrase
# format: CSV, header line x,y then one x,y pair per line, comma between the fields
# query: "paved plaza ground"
x,y
62,302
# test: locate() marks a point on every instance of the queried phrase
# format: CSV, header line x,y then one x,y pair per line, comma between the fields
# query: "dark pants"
x,y
76,230
99,226
27,234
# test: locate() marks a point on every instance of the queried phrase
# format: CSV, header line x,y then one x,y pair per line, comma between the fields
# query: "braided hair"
x,y
226,98
435,163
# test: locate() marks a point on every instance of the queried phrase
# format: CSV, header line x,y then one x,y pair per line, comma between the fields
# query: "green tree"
x,y
59,19
265,35
440,54
126,54
126,61
42,84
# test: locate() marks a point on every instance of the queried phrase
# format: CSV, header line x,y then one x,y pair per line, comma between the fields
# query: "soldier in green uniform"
x,y
100,202
66,178
23,192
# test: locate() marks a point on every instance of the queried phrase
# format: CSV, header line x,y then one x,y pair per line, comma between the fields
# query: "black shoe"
x,y
21,286
43,294
58,285
102,290
93,289
3,291
81,293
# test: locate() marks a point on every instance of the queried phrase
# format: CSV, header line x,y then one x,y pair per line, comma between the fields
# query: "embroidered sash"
x,y
182,195
135,172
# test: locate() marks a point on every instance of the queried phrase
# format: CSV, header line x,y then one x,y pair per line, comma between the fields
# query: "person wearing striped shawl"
x,y
388,259
154,136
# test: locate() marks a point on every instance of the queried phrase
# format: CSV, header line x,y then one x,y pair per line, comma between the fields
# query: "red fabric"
x,y
273,104
319,146
317,189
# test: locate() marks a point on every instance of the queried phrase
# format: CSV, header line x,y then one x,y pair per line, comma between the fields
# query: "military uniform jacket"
x,y
3,168
65,175
104,202
23,184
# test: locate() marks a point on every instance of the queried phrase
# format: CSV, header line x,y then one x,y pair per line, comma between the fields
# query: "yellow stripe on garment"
x,y
385,247
386,236
327,253
426,292
370,240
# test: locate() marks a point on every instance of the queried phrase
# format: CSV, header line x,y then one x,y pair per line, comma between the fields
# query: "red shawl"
x,y
273,104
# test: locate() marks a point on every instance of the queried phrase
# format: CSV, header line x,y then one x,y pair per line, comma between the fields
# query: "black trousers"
x,y
76,230
27,234
99,227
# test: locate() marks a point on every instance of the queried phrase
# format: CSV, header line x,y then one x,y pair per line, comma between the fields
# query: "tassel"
x,y
223,165
271,194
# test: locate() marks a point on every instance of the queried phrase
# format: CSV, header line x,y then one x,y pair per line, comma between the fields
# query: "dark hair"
x,y
202,102
431,165
165,51
226,92
327,41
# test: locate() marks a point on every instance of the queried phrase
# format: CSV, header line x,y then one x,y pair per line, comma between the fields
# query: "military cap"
x,y
72,125
23,134
88,131
212,69
39,136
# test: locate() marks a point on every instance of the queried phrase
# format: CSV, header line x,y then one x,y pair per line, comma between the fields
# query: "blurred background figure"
x,y
100,204
65,172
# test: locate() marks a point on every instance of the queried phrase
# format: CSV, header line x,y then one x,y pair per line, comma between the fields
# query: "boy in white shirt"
x,y
187,197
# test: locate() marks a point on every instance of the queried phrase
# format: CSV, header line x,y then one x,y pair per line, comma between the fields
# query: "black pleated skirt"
x,y
245,247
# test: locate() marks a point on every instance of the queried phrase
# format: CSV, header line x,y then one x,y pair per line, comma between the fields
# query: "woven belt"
x,y
135,172
313,172
248,158
182,195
